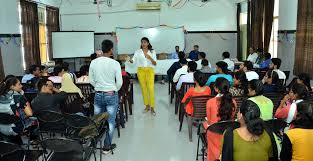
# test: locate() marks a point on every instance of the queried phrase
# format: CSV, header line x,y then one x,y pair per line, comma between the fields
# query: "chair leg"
x,y
122,118
198,147
130,105
125,108
176,104
181,119
189,118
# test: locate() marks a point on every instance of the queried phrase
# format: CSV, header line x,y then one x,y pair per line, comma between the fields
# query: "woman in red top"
x,y
199,90
220,108
297,94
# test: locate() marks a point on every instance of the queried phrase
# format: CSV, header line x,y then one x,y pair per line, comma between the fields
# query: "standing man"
x,y
193,55
174,55
106,76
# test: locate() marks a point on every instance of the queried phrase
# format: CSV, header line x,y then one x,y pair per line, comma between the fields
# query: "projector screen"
x,y
163,39
72,44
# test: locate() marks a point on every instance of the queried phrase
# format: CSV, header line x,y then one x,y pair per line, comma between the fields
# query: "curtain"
x,y
257,8
30,35
268,22
261,23
1,67
304,38
239,53
52,25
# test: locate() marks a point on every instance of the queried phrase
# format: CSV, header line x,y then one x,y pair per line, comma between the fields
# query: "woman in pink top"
x,y
220,108
199,90
287,108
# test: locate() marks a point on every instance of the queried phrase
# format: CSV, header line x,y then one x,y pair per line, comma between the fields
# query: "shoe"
x,y
147,109
106,149
153,112
162,82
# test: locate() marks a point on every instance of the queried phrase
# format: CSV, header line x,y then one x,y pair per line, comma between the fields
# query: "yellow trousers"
x,y
146,81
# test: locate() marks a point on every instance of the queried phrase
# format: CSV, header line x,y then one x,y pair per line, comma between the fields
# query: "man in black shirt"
x,y
175,66
48,98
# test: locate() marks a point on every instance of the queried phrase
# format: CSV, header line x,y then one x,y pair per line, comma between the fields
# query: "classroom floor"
x,y
153,138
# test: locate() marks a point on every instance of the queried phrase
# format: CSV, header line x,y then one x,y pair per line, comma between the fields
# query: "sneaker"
x,y
153,112
106,149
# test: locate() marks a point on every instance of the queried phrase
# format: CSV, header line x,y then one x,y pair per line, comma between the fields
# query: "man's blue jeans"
x,y
107,102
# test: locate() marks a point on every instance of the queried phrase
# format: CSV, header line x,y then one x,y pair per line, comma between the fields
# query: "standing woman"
x,y
145,59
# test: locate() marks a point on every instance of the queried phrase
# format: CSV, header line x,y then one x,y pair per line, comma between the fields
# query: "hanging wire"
x,y
203,3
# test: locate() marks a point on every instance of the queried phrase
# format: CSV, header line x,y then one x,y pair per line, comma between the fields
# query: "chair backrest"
x,y
276,98
199,106
50,116
287,73
125,87
60,144
261,74
78,121
86,88
276,125
239,100
185,86
73,103
7,148
208,75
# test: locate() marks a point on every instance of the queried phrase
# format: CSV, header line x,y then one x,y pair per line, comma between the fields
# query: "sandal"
x,y
147,109
153,112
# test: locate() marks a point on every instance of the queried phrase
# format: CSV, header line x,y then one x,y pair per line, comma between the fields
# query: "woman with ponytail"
x,y
13,102
199,90
220,108
252,141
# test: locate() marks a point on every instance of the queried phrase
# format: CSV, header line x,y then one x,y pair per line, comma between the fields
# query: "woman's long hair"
x,y
6,84
241,76
251,115
304,118
200,78
149,46
227,106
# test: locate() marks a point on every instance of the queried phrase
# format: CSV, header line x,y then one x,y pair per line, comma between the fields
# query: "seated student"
x,y
260,57
13,102
230,63
297,94
252,141
275,65
175,66
220,108
271,82
201,56
84,74
199,90
48,98
124,73
193,55
44,71
247,68
65,67
206,66
34,71
297,142
304,79
252,56
174,55
93,56
266,105
221,69
57,75
67,85
181,71
187,78
240,87
265,64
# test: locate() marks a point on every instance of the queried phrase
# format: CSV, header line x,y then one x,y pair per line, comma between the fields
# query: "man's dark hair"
x,y
197,46
267,56
42,82
83,70
176,46
65,66
57,70
183,61
93,56
204,62
248,65
277,62
259,50
226,54
192,66
257,86
202,55
107,45
33,68
181,55
223,66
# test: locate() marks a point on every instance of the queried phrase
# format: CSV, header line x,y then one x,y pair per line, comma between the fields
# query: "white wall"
x,y
288,14
9,18
217,15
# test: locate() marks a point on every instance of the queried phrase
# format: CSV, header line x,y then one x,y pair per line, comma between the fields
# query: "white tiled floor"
x,y
149,138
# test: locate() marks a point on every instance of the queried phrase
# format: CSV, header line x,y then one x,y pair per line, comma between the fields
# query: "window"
x,y
21,31
274,36
44,56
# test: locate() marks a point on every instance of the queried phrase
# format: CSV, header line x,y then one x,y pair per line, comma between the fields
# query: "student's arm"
x,y
170,71
210,80
282,111
286,150
180,82
176,76
118,76
152,58
187,96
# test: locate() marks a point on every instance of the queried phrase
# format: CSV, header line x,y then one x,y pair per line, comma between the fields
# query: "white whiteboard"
x,y
72,44
163,39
